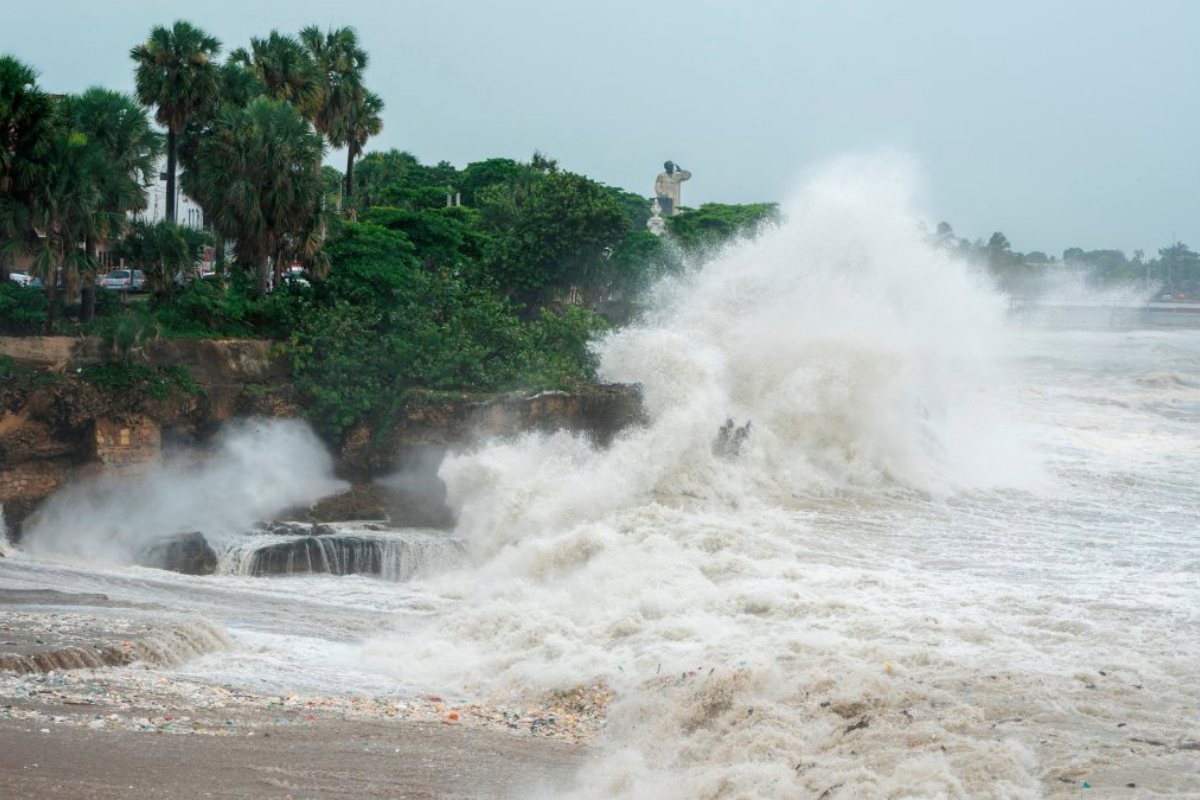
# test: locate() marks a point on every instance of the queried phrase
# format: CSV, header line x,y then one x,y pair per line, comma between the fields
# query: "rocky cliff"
x,y
56,423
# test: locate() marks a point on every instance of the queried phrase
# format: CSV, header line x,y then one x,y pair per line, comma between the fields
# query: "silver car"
x,y
125,280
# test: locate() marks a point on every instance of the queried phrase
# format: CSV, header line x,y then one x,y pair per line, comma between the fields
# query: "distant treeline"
x,y
1175,270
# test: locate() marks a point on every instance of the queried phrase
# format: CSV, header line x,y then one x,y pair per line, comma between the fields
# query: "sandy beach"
x,y
324,757
130,727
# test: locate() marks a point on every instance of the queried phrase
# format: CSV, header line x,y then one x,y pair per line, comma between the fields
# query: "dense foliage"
x,y
714,223
388,277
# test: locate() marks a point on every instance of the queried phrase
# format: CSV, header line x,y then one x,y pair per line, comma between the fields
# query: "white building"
x,y
187,212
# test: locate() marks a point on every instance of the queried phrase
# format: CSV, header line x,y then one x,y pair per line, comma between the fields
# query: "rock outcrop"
x,y
189,553
54,425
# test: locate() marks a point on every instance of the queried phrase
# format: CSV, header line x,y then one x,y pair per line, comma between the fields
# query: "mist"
x,y
253,470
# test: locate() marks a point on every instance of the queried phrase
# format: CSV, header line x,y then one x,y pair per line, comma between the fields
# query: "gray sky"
x,y
1059,123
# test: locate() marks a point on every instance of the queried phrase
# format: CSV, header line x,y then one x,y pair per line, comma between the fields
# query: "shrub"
x,y
22,309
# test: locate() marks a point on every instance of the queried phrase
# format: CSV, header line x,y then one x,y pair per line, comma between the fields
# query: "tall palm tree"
x,y
283,66
342,110
176,72
127,151
340,63
258,178
26,127
360,122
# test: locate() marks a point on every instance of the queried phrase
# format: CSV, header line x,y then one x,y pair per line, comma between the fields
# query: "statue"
x,y
666,187
656,223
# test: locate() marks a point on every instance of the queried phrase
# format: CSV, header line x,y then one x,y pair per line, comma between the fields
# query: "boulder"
x,y
188,553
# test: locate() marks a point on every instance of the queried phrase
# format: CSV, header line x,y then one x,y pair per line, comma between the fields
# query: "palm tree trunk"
x,y
170,174
346,200
50,288
87,308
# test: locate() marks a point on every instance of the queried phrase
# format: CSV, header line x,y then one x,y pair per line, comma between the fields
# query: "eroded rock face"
x,y
428,424
361,502
188,553
54,426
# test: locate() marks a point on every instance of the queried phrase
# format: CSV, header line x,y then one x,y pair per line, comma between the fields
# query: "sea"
x,y
953,554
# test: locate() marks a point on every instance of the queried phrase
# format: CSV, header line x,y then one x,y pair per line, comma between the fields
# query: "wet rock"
x,y
277,527
360,502
438,421
389,556
188,553
343,555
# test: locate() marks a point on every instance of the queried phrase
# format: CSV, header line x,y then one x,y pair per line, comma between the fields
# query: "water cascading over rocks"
x,y
392,556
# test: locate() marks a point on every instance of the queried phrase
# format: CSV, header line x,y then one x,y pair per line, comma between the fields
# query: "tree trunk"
x,y
263,272
50,288
87,292
346,199
170,174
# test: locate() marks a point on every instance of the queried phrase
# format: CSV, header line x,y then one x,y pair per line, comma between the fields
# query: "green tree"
x,y
176,73
480,175
342,110
258,178
25,140
442,238
161,250
1179,267
397,179
556,233
714,224
67,209
361,121
127,151
283,67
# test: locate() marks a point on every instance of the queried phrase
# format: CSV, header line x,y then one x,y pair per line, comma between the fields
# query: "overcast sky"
x,y
1059,123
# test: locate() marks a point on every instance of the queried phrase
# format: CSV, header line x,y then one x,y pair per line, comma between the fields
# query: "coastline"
x,y
281,757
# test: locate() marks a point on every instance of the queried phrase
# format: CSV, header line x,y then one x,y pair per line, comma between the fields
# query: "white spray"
x,y
256,469
865,361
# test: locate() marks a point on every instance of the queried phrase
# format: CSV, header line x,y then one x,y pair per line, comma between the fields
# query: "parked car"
x,y
125,280
23,278
294,277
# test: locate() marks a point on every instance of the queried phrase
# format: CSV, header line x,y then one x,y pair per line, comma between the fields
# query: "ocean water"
x,y
955,556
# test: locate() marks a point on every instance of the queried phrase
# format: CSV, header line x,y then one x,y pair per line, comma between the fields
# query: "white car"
x,y
22,278
125,280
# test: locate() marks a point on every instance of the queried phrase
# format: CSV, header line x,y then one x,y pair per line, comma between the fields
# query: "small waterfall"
x,y
393,556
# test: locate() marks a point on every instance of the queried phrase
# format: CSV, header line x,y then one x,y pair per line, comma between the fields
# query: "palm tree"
x,y
283,66
361,121
65,208
127,151
258,177
177,73
342,110
26,115
340,64
162,250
